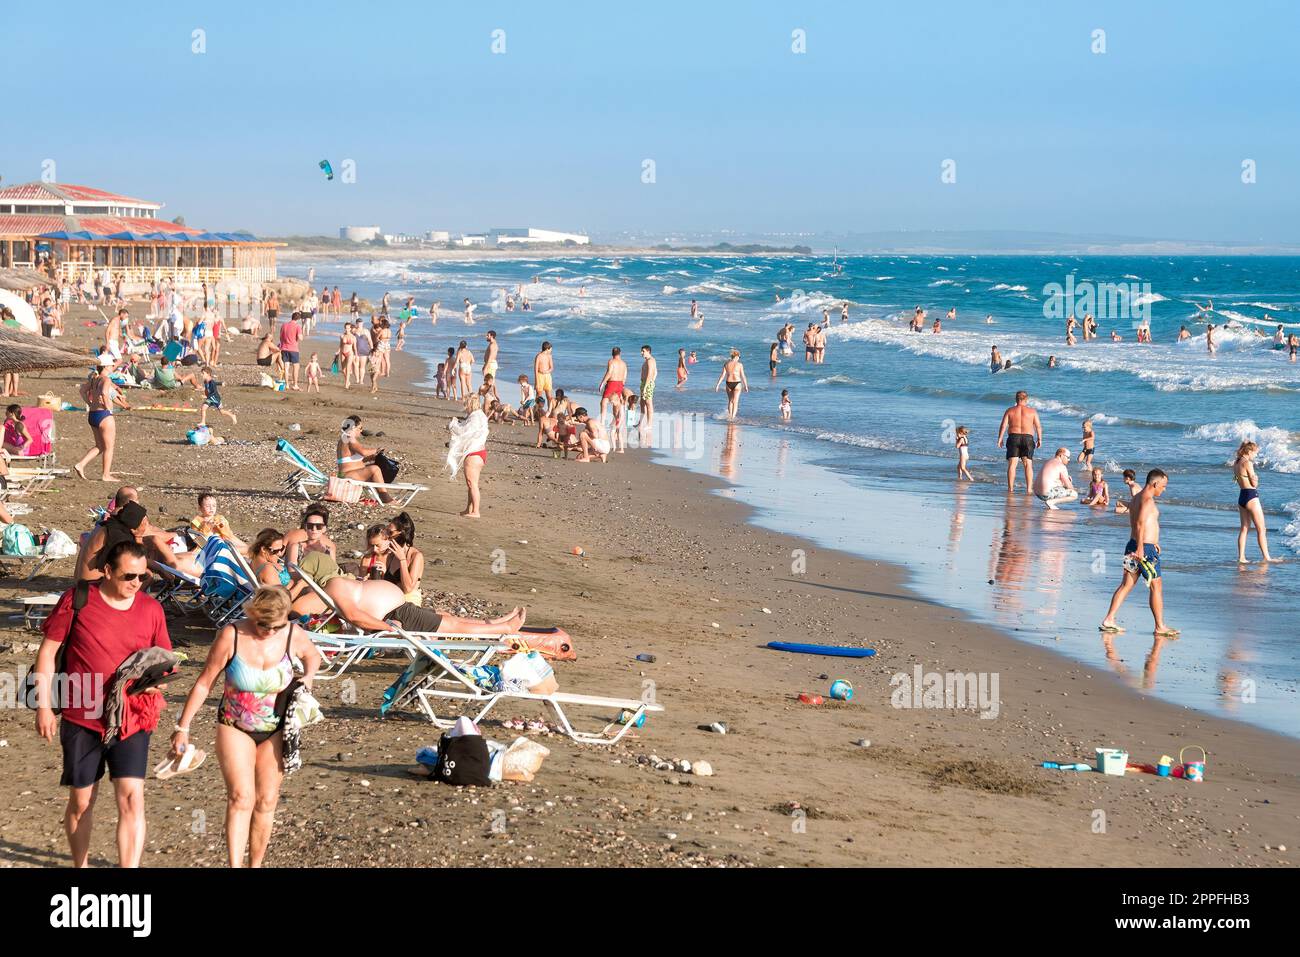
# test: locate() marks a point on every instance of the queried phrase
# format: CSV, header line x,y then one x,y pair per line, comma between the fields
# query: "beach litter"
x,y
578,551
863,742
717,727
646,657
1054,766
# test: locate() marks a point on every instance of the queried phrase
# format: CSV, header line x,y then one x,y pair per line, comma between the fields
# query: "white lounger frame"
x,y
460,687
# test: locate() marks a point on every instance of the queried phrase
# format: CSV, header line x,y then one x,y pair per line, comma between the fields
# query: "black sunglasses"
x,y
276,551
132,576
314,525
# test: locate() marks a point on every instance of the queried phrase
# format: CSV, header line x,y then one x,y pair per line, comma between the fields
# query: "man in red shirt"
x,y
117,621
290,344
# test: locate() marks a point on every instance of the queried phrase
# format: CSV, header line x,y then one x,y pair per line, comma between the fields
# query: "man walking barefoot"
x,y
1142,556
1022,433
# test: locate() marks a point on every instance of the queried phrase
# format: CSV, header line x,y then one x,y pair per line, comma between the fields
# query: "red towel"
x,y
140,712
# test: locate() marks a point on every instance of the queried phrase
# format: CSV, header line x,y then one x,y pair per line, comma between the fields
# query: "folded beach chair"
x,y
453,681
23,481
311,483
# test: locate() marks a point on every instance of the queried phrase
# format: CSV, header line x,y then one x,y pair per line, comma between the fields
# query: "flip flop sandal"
x,y
1168,633
1110,629
187,762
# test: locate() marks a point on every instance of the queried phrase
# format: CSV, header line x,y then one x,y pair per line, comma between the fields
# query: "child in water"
x,y
1089,444
785,405
963,453
313,373
681,367
692,360
1098,491
1130,479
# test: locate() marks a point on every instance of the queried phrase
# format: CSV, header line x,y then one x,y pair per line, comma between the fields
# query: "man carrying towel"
x,y
116,621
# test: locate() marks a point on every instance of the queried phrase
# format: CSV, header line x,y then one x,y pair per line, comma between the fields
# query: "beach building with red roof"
x,y
71,230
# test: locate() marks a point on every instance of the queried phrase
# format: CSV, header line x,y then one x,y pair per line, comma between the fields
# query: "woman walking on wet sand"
x,y
100,395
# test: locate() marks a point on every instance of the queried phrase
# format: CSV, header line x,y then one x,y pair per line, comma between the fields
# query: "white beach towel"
x,y
468,435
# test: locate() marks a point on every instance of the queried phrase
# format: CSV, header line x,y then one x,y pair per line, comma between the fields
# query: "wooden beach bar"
x,y
70,231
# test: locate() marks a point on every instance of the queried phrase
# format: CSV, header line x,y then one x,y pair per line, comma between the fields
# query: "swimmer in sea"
x,y
682,374
995,360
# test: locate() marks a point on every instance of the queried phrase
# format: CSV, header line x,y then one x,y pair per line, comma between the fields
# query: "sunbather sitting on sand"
x,y
381,606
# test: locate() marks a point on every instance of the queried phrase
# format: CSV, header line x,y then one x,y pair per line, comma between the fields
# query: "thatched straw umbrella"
x,y
20,280
24,352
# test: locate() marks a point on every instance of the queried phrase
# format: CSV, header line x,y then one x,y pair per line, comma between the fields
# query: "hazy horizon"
x,y
1144,141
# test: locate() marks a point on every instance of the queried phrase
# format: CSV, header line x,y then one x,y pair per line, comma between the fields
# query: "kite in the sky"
x,y
329,170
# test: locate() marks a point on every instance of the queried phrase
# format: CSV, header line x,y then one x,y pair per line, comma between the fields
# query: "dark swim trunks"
x,y
1150,570
1020,446
1245,496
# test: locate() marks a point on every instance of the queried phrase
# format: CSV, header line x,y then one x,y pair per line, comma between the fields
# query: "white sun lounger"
x,y
452,683
311,483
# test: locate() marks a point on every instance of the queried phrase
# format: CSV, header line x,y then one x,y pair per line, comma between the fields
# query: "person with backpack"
x,y
92,630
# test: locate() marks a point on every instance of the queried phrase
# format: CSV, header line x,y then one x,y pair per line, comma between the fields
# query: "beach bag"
x,y
344,491
19,542
59,545
529,671
463,760
388,466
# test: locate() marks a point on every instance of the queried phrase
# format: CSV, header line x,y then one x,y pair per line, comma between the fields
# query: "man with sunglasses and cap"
x,y
117,620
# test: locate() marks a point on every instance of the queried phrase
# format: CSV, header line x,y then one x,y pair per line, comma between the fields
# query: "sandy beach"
x,y
670,569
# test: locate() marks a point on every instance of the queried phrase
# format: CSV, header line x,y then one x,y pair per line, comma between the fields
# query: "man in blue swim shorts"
x,y
1142,556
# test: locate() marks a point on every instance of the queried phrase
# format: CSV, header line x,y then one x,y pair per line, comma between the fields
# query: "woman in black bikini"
x,y
734,374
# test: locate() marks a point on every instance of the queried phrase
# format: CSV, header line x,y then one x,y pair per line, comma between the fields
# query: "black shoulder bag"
x,y
80,595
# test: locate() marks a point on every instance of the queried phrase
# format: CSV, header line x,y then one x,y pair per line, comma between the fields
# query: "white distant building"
x,y
359,234
437,236
401,239
468,240
504,236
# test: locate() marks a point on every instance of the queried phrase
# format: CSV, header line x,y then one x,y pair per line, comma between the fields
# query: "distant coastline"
x,y
306,249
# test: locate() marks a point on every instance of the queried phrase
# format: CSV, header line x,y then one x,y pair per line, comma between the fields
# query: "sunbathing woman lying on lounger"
x,y
381,606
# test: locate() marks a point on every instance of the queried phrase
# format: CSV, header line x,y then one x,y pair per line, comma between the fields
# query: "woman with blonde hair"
x,y
256,655
468,450
1249,508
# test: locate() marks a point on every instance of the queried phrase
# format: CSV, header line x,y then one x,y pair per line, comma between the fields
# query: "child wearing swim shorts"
x,y
212,399
1089,444
963,453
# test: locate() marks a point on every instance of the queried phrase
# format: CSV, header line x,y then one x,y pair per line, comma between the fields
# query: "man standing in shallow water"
x,y
1023,433
1142,556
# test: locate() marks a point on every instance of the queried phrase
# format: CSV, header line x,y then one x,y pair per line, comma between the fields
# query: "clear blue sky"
x,y
1146,139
